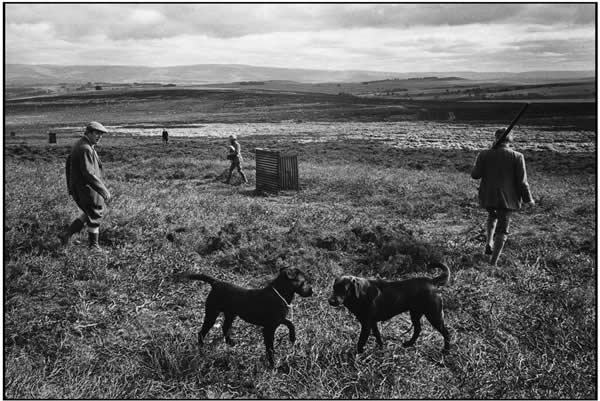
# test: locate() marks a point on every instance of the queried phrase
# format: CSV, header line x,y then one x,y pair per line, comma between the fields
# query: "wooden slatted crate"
x,y
276,171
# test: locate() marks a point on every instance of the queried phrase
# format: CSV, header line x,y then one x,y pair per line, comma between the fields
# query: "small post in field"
x,y
51,137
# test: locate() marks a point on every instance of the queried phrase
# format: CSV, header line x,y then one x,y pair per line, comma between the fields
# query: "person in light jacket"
x,y
85,184
235,155
502,191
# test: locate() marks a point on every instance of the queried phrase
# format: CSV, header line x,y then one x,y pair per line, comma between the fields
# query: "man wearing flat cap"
x,y
85,184
503,189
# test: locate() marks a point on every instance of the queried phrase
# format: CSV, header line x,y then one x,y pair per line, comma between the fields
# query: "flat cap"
x,y
96,126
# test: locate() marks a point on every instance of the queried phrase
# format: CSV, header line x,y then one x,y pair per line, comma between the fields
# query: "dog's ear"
x,y
360,286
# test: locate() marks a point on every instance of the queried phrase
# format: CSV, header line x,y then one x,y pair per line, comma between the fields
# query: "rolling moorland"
x,y
124,325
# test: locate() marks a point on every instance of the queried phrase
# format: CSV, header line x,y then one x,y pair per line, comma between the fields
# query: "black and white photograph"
x,y
300,200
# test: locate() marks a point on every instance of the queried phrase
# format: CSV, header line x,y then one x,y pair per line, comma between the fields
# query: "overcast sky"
x,y
376,37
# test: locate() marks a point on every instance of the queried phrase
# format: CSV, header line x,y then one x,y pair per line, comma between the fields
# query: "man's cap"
x,y
232,137
500,132
96,126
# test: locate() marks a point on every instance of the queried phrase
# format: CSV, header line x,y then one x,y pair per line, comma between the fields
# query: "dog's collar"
x,y
289,306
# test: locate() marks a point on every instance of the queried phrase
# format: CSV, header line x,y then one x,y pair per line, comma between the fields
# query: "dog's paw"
x,y
229,341
407,344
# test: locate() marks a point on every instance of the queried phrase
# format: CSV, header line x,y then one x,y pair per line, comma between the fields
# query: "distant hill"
x,y
25,74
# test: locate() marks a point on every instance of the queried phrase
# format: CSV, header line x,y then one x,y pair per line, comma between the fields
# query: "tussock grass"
x,y
124,326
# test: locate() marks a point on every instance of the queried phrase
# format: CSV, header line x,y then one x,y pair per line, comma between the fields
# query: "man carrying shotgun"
x,y
503,188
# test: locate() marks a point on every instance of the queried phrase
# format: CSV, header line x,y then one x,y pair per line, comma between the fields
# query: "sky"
x,y
423,37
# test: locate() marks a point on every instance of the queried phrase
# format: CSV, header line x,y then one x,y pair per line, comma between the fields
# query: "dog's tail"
x,y
200,276
443,278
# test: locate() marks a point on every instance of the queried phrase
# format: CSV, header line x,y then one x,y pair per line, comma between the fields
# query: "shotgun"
x,y
510,127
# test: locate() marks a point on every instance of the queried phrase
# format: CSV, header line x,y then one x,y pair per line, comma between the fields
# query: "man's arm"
x,y
477,171
68,174
521,180
87,166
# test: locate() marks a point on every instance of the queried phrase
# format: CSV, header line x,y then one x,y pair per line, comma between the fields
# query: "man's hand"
x,y
531,203
107,196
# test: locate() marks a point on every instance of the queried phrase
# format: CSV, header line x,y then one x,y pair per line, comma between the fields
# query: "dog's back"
x,y
227,293
202,277
416,283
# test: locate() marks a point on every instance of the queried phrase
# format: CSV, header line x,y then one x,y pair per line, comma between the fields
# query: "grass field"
x,y
123,326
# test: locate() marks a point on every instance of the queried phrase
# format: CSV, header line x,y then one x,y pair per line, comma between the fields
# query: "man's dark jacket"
x,y
503,178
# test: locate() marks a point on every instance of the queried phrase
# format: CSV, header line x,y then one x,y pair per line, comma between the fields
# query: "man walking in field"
x,y
84,181
235,155
165,136
502,190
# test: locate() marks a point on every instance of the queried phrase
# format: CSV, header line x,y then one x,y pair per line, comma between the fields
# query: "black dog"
x,y
266,307
373,301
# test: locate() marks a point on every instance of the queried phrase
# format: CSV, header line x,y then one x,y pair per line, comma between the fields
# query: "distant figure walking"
x,y
165,136
235,155
503,189
84,181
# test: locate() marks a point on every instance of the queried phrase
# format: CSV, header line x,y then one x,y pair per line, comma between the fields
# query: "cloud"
x,y
121,21
391,37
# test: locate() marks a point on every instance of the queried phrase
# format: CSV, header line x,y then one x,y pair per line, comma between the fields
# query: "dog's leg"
x,y
436,317
376,333
365,329
229,318
291,329
210,317
269,337
415,317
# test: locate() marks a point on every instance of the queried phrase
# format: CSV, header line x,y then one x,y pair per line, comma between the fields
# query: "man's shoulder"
x,y
513,152
82,143
507,150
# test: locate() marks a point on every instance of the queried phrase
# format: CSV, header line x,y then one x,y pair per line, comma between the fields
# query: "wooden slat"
x,y
275,171
267,170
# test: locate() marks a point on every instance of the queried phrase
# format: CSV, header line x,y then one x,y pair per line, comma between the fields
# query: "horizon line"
x,y
292,68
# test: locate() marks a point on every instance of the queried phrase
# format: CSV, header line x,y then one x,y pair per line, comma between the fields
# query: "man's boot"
x,y
93,244
244,177
498,245
74,228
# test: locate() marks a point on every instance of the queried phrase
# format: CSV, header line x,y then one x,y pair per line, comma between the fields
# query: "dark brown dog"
x,y
373,301
266,307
